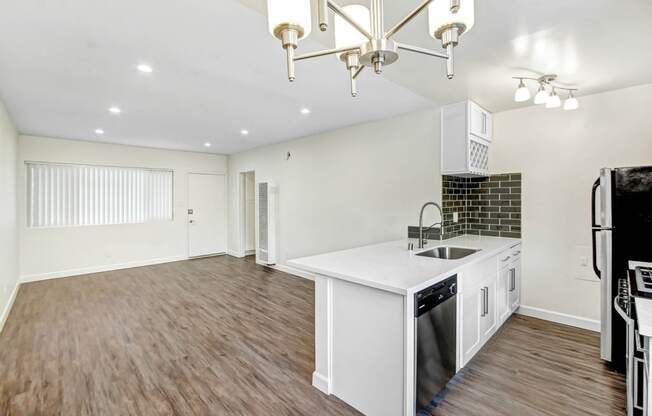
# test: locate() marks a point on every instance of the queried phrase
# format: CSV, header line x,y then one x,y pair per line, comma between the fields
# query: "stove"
x,y
641,280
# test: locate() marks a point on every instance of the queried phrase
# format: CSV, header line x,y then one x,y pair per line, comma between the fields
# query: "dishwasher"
x,y
435,311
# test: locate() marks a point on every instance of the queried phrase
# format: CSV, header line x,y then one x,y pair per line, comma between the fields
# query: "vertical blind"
x,y
66,195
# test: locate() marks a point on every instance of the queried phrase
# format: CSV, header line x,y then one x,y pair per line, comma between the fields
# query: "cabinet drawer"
x,y
472,276
516,252
504,259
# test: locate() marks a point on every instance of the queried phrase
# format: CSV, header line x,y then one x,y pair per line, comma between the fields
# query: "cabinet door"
x,y
477,120
488,320
489,126
472,307
503,300
515,285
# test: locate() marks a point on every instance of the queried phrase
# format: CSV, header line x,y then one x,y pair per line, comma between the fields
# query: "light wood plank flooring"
x,y
223,336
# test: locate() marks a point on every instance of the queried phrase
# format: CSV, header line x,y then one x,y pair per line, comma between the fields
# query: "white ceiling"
x,y
217,70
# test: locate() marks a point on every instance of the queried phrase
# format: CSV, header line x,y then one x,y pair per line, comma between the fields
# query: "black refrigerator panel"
x,y
632,227
632,217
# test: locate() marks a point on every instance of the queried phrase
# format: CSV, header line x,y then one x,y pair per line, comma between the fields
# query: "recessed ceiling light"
x,y
145,69
305,111
99,131
244,132
207,144
115,110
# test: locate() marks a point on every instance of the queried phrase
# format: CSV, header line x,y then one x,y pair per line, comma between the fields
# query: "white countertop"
x,y
391,267
644,316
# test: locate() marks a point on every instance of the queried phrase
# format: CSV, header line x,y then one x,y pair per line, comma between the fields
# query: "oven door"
x,y
639,377
636,374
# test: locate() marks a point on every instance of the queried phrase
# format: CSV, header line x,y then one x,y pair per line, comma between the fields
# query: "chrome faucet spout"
x,y
423,242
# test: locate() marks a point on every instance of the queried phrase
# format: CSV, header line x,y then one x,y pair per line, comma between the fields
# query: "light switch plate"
x,y
456,217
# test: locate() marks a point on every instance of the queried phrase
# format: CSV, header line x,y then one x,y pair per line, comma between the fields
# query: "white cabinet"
x,y
470,319
509,283
478,310
488,315
480,121
502,295
490,294
466,133
514,288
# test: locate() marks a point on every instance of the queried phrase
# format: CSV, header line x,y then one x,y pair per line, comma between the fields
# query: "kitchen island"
x,y
365,313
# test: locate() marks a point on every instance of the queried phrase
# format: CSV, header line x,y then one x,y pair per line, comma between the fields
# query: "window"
x,y
68,195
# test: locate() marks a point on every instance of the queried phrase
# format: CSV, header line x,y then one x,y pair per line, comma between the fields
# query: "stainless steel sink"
x,y
448,253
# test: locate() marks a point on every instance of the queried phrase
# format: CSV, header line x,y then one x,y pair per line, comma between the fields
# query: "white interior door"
x,y
206,214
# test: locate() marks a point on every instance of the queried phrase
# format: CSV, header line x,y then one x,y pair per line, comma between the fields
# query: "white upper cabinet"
x,y
479,121
466,133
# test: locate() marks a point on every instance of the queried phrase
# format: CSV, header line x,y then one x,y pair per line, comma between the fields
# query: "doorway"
x,y
206,214
247,213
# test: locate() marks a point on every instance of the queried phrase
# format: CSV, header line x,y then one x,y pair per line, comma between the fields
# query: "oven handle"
x,y
642,350
630,356
621,312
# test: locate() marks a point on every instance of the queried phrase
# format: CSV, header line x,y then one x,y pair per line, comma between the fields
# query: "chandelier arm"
x,y
325,52
344,15
357,72
407,19
423,51
552,83
322,6
563,88
528,78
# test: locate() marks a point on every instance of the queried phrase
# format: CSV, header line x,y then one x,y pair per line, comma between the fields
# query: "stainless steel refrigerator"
x,y
621,228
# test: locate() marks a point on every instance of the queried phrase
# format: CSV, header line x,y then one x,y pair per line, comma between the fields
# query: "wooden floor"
x,y
222,336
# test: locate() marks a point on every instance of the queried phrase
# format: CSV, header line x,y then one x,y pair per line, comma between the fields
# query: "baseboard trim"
x,y
320,382
235,253
293,271
98,269
8,306
250,252
560,318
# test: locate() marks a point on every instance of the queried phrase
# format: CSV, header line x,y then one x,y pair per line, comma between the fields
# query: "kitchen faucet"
x,y
423,242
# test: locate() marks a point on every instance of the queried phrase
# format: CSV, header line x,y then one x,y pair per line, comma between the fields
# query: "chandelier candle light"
x,y
550,99
360,36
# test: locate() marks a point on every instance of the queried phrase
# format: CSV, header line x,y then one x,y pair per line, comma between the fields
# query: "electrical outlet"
x,y
456,217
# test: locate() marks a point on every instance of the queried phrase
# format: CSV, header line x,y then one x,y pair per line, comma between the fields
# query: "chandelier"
x,y
360,36
550,99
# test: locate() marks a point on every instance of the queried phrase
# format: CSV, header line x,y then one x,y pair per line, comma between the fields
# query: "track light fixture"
x,y
360,36
522,92
550,99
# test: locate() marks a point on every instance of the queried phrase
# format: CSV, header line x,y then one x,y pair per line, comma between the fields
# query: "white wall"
x,y
348,187
560,153
66,251
8,221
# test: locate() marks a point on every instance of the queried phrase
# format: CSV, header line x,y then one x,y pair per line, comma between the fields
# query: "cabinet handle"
x,y
512,280
482,314
486,303
506,258
517,253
